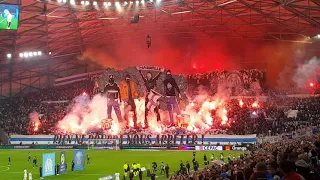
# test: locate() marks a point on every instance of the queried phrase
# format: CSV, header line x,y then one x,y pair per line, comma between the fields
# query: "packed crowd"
x,y
14,112
244,82
294,160
270,117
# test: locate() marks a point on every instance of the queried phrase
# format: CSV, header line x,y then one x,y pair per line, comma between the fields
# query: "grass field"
x,y
3,23
103,162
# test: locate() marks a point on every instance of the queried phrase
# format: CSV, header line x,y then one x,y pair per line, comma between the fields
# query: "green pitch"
x,y
103,162
3,23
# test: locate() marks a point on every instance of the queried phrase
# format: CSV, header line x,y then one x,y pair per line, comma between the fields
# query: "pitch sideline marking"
x,y
8,168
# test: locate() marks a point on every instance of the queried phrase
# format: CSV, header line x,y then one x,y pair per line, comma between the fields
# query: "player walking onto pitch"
x,y
162,168
229,157
205,159
88,159
212,157
117,176
9,160
9,18
40,169
29,157
34,161
25,176
30,176
221,156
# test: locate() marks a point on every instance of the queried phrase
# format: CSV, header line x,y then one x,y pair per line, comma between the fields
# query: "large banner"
x,y
63,164
48,164
135,139
79,160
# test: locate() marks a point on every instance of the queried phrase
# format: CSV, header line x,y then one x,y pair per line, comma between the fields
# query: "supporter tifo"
x,y
249,115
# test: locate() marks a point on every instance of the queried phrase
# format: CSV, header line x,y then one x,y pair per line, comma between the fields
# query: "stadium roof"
x,y
64,28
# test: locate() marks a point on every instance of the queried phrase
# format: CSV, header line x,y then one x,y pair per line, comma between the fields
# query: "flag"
x,y
63,166
79,160
152,100
48,164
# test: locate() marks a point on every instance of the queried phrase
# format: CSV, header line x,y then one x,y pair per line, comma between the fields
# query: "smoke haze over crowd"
x,y
198,55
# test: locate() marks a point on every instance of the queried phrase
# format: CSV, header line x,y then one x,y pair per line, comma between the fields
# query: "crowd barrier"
x,y
244,147
43,147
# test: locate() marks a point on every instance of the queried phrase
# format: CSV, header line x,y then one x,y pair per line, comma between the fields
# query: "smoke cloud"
x,y
307,72
34,117
199,55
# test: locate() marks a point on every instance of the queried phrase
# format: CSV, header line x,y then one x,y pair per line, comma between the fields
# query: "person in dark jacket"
x,y
167,170
303,169
72,166
170,88
112,92
41,172
150,84
188,167
261,168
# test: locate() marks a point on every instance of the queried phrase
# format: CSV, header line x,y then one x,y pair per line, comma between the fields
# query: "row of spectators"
x,y
288,160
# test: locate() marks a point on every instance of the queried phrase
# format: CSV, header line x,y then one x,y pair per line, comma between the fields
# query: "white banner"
x,y
135,139
209,148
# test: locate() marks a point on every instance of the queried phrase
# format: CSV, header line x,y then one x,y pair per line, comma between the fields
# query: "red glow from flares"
x,y
194,66
36,127
311,84
84,94
200,114
241,103
255,105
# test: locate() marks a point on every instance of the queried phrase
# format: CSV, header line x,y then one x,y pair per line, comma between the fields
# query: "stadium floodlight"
x,y
59,1
72,2
82,2
142,1
87,3
137,2
39,53
105,3
117,4
95,3
151,0
35,53
318,36
64,1
158,1
30,54
125,3
21,55
9,55
109,3
25,54
49,52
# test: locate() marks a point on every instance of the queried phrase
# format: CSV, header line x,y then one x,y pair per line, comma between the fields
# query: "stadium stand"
x,y
272,119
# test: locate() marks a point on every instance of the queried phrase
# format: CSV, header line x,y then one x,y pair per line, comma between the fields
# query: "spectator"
x,y
287,169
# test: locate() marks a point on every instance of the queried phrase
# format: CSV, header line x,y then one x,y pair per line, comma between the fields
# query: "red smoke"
x,y
193,55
